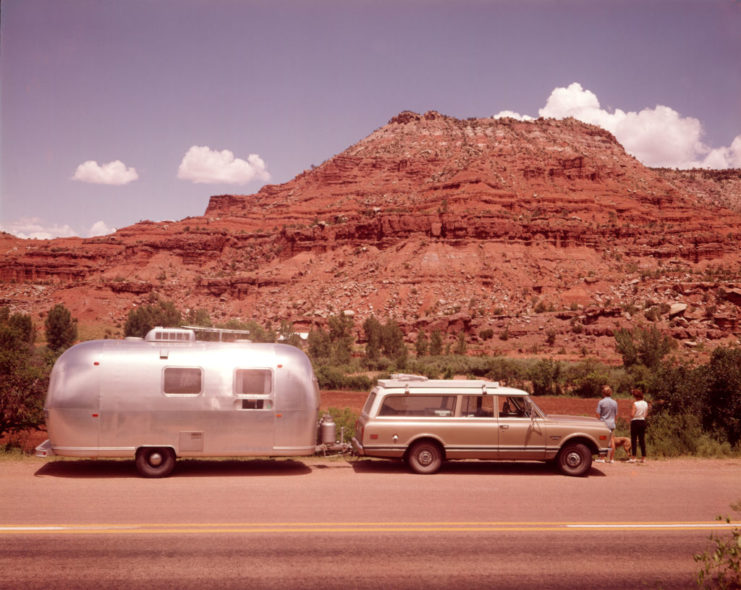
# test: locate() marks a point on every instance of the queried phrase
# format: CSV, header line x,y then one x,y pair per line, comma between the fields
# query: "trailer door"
x,y
255,409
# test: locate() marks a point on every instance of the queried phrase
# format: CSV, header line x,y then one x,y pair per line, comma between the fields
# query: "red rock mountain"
x,y
530,237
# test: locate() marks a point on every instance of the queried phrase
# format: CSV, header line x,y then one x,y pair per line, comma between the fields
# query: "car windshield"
x,y
532,409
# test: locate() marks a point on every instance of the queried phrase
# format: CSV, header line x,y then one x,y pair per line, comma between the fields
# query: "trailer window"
x,y
253,381
182,381
418,405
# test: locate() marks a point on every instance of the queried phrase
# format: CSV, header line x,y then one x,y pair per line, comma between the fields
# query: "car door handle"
x,y
504,426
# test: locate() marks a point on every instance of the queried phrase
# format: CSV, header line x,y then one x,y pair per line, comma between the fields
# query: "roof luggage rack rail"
x,y
408,377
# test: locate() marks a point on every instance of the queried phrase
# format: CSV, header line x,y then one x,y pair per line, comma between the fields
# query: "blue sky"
x,y
117,111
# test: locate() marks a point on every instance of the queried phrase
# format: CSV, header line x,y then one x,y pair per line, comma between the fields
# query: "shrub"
x,y
546,377
422,344
61,329
486,334
335,378
344,419
721,566
436,343
24,375
646,346
148,316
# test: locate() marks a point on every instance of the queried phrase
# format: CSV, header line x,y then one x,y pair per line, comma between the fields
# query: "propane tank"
x,y
328,430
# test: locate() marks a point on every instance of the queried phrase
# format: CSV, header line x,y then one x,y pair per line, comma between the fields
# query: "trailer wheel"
x,y
425,457
155,462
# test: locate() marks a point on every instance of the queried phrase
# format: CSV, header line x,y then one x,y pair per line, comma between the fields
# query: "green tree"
x,y
341,337
547,377
148,316
61,329
392,341
288,336
644,346
373,335
460,346
436,343
23,375
722,410
320,346
422,344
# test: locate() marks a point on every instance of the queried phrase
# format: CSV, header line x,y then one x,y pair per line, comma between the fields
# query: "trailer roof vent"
x,y
170,335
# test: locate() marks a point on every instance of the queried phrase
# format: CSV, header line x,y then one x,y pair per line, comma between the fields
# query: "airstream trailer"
x,y
169,395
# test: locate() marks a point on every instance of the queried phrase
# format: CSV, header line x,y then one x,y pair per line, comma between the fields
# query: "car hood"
x,y
586,420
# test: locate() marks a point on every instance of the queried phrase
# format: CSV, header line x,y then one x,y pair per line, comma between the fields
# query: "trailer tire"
x,y
425,457
155,461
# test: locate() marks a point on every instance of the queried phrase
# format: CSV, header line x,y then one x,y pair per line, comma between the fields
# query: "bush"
x,y
61,329
436,343
344,418
334,378
641,345
682,434
721,566
148,316
486,334
24,375
587,378
547,378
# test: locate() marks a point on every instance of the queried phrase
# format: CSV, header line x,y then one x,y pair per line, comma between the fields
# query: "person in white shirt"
x,y
638,425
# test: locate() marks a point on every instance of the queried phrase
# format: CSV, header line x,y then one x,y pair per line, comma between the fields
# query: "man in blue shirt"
x,y
607,410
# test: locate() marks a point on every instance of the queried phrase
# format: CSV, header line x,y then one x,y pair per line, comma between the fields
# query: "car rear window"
x,y
369,402
418,405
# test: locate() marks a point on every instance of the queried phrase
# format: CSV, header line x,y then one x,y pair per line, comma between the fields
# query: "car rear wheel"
x,y
575,459
155,461
425,457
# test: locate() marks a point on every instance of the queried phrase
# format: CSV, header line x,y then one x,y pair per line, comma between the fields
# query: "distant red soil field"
x,y
354,400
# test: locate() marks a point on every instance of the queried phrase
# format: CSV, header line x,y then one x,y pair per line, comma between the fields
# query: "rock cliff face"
x,y
533,237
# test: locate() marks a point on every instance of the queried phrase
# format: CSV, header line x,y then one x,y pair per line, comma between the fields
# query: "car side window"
x,y
513,407
418,405
477,406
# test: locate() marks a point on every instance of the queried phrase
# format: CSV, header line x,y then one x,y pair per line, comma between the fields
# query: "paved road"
x,y
368,524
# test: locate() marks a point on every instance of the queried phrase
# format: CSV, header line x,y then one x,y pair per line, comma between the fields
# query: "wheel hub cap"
x,y
425,457
573,459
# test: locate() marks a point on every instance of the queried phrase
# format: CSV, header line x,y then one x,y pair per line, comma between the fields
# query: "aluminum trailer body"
x,y
156,399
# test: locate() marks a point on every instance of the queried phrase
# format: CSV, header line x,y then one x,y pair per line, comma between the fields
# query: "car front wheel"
x,y
575,459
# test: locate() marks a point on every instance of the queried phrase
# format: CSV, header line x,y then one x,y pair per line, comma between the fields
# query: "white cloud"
x,y
657,137
113,173
725,157
100,228
512,115
34,228
201,164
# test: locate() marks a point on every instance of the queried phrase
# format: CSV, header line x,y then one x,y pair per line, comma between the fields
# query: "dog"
x,y
622,441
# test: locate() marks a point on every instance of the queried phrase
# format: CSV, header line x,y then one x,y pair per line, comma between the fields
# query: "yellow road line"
x,y
355,527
